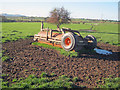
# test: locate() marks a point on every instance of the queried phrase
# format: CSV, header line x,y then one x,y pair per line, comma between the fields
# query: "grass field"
x,y
62,82
105,32
14,31
40,82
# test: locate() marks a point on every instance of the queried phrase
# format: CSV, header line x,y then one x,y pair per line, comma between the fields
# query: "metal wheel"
x,y
68,41
92,42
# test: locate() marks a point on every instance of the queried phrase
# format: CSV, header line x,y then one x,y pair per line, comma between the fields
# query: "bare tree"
x,y
59,16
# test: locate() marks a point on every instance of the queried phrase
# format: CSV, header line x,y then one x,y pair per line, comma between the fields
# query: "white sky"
x,y
59,0
96,9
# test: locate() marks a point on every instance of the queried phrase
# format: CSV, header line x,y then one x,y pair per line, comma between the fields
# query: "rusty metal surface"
x,y
54,35
56,45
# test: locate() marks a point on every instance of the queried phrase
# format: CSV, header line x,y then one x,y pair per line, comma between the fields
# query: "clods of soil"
x,y
26,59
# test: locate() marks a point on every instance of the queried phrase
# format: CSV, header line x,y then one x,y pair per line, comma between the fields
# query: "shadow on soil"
x,y
92,54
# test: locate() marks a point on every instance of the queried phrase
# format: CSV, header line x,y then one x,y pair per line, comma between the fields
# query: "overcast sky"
x,y
96,9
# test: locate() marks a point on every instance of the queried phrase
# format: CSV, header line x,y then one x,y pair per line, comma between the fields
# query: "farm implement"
x,y
65,38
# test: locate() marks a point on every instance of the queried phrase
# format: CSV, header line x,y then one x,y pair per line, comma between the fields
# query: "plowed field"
x,y
88,68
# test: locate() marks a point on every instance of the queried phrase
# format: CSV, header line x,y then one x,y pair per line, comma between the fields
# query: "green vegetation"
x,y
110,83
4,58
0,54
62,81
43,74
62,51
25,70
42,82
53,74
75,79
15,31
21,19
72,26
14,80
105,32
33,69
3,75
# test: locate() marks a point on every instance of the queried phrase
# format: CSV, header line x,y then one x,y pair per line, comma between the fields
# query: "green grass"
x,y
62,51
75,79
5,58
110,83
0,54
53,74
105,32
16,30
62,81
39,82
43,74
107,28
72,26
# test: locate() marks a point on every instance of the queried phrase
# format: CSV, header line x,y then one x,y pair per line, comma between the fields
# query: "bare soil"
x,y
26,59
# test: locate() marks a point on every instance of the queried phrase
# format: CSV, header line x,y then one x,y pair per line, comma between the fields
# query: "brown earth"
x,y
87,67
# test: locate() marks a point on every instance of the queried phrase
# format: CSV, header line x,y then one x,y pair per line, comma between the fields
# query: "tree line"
x,y
57,16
